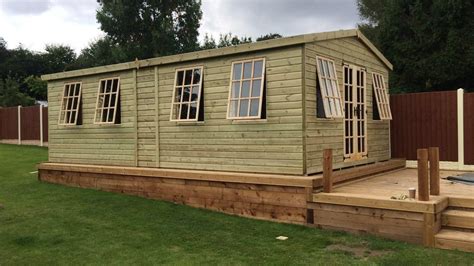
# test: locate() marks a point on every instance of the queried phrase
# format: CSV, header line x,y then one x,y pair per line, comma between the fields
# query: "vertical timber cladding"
x,y
324,133
469,128
270,145
422,120
91,143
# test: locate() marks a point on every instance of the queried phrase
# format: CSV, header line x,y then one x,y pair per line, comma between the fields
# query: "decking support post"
x,y
433,155
327,170
423,182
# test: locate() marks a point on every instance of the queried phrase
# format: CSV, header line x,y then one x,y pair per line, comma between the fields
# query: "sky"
x,y
35,23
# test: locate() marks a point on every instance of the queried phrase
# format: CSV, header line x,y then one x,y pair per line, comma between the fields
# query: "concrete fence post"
x,y
19,124
460,122
41,124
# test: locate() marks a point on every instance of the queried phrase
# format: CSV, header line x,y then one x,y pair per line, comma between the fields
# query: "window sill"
x,y
189,123
249,121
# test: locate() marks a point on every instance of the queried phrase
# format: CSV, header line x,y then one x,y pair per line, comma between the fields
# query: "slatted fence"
x,y
434,119
24,125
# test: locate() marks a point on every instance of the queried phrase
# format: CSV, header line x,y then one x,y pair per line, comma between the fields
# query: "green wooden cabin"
x,y
265,107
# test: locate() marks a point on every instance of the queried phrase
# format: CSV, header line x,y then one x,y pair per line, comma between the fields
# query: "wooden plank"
x,y
458,218
345,175
268,179
379,202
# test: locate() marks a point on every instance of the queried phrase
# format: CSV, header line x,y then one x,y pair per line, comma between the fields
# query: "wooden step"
x,y
455,239
458,218
461,202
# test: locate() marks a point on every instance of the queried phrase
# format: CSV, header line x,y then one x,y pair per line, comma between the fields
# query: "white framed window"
x,y
186,102
70,104
107,110
246,89
381,96
329,88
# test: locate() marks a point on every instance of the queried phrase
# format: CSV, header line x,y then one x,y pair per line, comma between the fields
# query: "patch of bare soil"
x,y
359,251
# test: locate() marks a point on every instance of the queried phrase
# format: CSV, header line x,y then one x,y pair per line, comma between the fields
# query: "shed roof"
x,y
248,47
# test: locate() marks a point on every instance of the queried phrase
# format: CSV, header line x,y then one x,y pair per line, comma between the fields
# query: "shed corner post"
x,y
460,124
41,124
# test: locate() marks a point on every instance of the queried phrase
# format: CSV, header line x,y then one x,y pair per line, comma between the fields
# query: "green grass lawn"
x,y
52,224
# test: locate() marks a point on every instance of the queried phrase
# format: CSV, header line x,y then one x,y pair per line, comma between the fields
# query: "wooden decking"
x,y
397,182
378,205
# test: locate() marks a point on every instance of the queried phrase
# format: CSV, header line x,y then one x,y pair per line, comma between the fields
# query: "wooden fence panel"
x,y
45,124
9,123
422,120
469,128
30,123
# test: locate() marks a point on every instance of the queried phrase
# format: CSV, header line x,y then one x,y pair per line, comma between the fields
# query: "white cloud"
x,y
35,23
61,23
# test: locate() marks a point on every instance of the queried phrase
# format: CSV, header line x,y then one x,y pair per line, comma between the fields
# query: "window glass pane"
x,y
70,90
233,108
235,89
188,77
331,69
102,86
195,93
254,104
245,88
244,108
197,76
256,87
179,91
106,100
193,110
186,94
237,71
184,111
111,115
179,78
114,85
247,70
258,69
108,86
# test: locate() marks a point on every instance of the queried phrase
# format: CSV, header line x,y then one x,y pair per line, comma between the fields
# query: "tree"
x,y
429,42
230,40
101,52
208,43
58,58
146,28
269,36
10,94
37,87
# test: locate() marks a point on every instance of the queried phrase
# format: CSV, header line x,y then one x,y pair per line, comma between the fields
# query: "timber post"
x,y
327,170
423,182
433,156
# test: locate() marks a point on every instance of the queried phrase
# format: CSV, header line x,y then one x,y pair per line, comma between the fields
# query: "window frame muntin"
x,y
115,106
383,89
198,106
61,110
262,84
326,97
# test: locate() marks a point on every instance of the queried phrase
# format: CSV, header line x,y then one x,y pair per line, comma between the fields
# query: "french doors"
x,y
355,119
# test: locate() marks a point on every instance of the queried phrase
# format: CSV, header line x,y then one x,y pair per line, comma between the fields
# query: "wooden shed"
x,y
269,107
